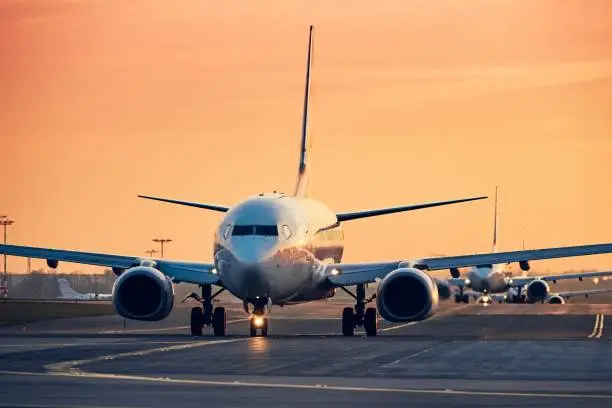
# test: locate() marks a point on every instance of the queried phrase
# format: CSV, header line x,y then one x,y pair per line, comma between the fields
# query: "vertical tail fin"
x,y
495,224
302,179
66,290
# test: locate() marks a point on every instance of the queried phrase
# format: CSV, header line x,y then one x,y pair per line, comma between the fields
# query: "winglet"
x,y
302,178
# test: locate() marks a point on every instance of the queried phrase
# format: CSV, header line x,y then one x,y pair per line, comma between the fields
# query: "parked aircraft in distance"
x,y
68,293
491,282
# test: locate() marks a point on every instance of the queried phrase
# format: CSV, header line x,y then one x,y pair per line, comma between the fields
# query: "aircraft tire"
x,y
264,328
370,322
348,322
196,321
219,321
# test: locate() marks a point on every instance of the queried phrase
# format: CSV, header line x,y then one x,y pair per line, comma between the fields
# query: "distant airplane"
x,y
559,298
69,293
485,281
279,249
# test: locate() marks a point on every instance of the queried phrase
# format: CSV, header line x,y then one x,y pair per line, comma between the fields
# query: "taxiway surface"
x,y
499,355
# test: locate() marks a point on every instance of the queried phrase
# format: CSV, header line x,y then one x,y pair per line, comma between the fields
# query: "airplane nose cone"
x,y
252,252
252,257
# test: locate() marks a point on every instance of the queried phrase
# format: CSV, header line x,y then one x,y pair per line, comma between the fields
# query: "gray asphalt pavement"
x,y
495,356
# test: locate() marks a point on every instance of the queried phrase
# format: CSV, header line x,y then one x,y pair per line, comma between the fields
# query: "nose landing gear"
x,y
258,320
207,315
359,316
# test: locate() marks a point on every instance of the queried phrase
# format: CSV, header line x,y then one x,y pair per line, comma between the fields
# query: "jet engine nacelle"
x,y
407,295
556,300
143,293
537,290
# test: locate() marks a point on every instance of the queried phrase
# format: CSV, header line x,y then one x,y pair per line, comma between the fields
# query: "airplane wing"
x,y
511,256
347,216
586,293
359,273
458,282
205,206
522,281
179,271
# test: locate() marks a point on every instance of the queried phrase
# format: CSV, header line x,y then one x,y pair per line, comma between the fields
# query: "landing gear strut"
x,y
359,316
461,297
207,315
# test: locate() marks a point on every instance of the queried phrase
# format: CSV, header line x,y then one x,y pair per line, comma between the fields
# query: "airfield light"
x,y
5,222
162,241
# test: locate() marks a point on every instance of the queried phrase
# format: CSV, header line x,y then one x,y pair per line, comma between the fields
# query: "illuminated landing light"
x,y
596,280
213,271
467,282
335,272
258,321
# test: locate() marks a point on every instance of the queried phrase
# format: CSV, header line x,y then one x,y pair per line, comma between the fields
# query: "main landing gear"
x,y
207,315
359,316
462,297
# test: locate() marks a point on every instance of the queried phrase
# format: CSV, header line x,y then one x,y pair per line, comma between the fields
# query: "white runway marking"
x,y
69,366
328,387
598,328
413,355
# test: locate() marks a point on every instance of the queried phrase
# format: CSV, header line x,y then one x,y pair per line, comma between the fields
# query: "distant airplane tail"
x,y
301,186
66,290
495,224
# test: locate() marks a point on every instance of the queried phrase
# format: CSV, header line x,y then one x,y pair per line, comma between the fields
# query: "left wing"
x,y
359,273
179,271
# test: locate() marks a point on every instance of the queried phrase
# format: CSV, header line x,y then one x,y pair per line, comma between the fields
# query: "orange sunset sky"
x,y
412,101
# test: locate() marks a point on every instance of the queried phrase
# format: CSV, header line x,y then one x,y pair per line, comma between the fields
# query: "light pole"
x,y
151,252
162,241
5,222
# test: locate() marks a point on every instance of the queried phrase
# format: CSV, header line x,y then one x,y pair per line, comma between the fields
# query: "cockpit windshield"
x,y
261,230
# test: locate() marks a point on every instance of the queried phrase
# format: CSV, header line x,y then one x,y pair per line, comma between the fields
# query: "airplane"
x,y
69,293
486,280
284,249
559,298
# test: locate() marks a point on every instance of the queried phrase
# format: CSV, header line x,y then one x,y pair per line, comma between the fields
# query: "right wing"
x,y
179,271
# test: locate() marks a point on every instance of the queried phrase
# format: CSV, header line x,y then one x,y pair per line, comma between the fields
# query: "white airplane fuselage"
x,y
488,279
273,248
